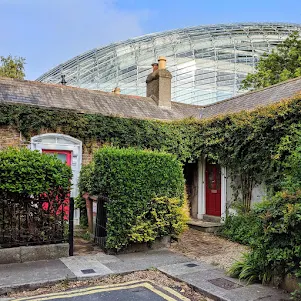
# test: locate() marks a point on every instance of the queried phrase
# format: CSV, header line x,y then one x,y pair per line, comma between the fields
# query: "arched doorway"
x,y
67,149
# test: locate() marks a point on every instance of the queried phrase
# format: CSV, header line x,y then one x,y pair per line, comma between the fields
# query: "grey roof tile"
x,y
129,106
90,101
252,100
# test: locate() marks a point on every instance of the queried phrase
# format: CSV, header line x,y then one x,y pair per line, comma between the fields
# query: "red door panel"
x,y
64,156
213,189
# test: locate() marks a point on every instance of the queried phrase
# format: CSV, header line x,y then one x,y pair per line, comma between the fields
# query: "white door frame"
x,y
202,189
54,141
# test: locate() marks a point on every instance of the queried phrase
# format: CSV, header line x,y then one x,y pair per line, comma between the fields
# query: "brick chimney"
x,y
158,84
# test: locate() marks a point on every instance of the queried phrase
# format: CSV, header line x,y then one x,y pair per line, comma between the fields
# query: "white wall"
x,y
258,194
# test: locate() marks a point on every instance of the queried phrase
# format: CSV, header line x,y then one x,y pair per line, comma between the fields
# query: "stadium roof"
x,y
207,62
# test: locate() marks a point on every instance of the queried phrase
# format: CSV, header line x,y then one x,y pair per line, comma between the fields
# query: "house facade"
x,y
208,183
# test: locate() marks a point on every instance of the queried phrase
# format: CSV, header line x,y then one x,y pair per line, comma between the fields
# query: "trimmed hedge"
x,y
133,180
27,172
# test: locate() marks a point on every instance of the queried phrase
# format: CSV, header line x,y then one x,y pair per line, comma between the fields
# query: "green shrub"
x,y
27,172
277,251
276,240
34,190
163,217
136,175
242,228
136,181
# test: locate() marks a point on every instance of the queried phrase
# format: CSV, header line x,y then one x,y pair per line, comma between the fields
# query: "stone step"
x,y
203,226
211,218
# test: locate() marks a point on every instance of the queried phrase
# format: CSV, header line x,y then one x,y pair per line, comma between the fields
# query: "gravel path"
x,y
209,248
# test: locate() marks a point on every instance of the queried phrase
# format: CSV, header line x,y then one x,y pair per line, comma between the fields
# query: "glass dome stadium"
x,y
208,63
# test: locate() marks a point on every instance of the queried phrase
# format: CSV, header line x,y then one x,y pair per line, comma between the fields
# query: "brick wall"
x,y
89,148
10,137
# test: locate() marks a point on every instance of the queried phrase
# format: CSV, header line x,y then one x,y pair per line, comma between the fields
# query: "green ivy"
x,y
272,228
245,142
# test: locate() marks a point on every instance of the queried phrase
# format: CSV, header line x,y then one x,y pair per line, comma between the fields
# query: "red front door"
x,y
213,189
65,157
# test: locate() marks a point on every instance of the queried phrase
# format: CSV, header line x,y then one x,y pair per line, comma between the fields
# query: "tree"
x,y
12,67
282,64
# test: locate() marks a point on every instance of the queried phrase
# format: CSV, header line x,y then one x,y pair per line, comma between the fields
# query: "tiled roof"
x,y
129,106
254,99
90,101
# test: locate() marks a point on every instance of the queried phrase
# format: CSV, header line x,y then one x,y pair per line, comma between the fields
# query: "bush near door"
x,y
146,192
33,193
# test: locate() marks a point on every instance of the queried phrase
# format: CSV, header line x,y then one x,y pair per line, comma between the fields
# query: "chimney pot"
x,y
155,66
162,62
116,90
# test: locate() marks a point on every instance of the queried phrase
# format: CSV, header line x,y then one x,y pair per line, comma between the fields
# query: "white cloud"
x,y
48,32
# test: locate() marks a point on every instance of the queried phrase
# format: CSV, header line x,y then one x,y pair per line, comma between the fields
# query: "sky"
x,y
49,32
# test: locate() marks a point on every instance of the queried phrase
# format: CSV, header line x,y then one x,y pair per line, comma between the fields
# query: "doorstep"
x,y
201,225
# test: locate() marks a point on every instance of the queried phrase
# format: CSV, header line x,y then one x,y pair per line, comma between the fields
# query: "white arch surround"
x,y
54,141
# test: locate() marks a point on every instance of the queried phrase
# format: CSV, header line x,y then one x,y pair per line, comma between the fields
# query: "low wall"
x,y
33,253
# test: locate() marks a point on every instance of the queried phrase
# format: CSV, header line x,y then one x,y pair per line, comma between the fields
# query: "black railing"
x,y
101,222
26,221
71,227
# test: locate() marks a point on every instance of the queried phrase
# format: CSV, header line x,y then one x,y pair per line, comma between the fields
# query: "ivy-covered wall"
x,y
95,130
245,142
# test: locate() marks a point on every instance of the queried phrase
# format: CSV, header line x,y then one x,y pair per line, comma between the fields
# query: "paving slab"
x,y
32,274
256,292
204,277
215,284
185,268
87,266
145,260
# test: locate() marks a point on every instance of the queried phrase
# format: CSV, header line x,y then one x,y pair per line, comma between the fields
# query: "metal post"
x,y
71,224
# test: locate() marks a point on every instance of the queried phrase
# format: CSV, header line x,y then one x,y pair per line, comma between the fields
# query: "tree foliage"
x,y
282,64
12,67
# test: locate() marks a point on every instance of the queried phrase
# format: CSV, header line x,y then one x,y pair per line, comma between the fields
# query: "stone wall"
x,y
33,253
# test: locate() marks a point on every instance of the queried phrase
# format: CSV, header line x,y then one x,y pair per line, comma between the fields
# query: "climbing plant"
x,y
245,142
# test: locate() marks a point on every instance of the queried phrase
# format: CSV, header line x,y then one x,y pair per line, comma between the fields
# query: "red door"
x,y
65,157
213,189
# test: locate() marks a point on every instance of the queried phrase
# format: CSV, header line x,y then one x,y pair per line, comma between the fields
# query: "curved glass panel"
x,y
208,63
